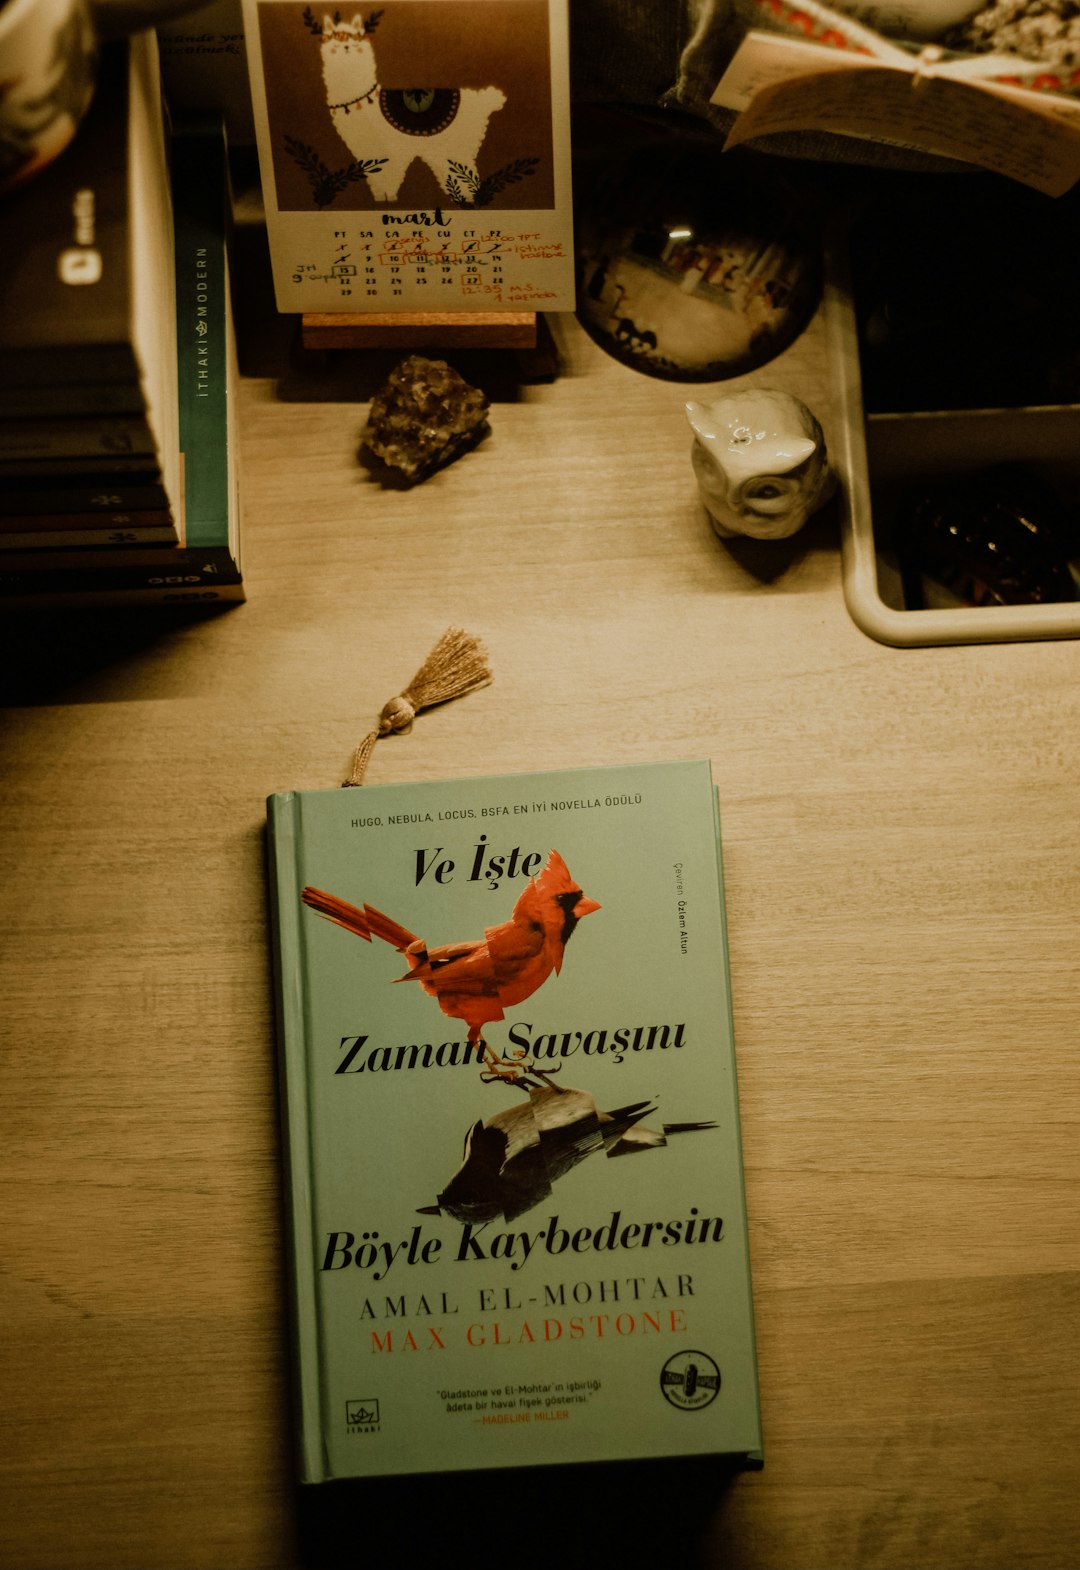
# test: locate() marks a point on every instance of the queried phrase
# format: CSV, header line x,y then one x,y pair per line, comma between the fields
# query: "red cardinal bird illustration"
x,y
477,981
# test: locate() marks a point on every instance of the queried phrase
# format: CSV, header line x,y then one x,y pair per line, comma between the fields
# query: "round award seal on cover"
x,y
690,1381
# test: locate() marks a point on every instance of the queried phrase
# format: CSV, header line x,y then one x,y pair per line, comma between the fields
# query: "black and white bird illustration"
x,y
513,1159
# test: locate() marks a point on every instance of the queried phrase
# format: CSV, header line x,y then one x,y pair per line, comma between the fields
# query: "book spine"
x,y
283,836
120,435
207,565
724,959
203,319
64,265
65,399
204,65
162,568
89,598
83,535
142,467
85,494
90,366
46,524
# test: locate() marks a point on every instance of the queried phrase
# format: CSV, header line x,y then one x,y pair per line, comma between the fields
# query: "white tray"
x,y
885,449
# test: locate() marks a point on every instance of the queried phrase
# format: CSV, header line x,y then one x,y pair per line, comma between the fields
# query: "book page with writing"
x,y
1054,106
764,59
1006,130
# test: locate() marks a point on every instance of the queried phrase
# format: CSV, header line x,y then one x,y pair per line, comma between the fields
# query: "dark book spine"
x,y
84,493
87,537
65,399
71,471
176,569
64,522
65,280
118,435
87,597
90,366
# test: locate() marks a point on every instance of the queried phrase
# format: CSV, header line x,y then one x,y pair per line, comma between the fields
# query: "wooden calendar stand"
x,y
419,330
525,333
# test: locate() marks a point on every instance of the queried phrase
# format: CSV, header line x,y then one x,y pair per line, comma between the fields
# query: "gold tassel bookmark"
x,y
456,665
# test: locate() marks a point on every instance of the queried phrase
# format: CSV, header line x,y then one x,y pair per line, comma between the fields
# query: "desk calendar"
x,y
382,195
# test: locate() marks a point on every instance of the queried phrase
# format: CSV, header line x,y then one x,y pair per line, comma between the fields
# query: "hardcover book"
x,y
206,335
84,436
63,399
204,66
66,264
51,498
87,530
206,567
514,1180
87,286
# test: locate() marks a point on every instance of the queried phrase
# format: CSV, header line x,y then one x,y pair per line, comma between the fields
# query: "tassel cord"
x,y
457,665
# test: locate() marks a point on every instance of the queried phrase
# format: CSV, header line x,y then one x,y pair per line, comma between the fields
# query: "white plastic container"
x,y
874,454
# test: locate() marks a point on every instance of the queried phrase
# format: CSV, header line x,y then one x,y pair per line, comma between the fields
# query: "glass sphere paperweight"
x,y
690,270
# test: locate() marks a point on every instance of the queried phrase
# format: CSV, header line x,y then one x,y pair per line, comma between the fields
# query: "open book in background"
x,y
811,68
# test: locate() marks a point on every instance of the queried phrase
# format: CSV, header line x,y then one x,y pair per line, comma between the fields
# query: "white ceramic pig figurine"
x,y
760,462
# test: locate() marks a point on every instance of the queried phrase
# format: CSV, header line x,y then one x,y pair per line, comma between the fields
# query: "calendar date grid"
x,y
370,264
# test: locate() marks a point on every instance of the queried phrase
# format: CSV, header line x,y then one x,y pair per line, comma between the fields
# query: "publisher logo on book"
x,y
362,1417
81,262
690,1381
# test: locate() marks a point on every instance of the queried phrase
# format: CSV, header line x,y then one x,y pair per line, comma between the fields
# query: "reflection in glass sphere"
x,y
690,270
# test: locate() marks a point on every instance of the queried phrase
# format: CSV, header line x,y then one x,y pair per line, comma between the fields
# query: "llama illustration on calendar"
x,y
411,105
385,128
414,156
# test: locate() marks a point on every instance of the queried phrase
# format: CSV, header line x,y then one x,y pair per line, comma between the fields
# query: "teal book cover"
x,y
204,327
511,1134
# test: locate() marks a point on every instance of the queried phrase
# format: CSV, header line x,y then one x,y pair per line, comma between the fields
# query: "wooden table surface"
x,y
901,840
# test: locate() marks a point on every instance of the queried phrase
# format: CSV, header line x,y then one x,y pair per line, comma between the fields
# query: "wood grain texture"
x,y
900,836
419,330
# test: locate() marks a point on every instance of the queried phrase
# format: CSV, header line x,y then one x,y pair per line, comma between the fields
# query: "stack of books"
x,y
118,480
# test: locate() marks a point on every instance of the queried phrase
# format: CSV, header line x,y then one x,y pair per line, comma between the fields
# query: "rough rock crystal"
x,y
424,416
